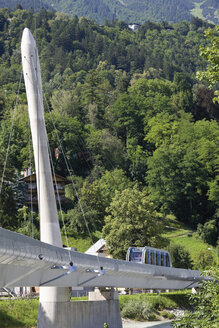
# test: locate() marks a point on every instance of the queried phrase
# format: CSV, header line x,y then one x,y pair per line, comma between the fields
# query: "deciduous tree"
x,y
211,54
132,221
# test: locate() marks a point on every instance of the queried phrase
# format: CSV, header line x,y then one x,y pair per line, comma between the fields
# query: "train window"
x,y
154,258
167,260
136,256
162,259
147,257
159,258
151,258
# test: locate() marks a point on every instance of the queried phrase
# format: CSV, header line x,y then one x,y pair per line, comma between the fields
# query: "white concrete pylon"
x,y
49,224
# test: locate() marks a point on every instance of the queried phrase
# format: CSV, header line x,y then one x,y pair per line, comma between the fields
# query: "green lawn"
x,y
18,313
81,242
193,244
178,233
173,233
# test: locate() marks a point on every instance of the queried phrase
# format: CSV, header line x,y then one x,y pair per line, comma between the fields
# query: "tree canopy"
x,y
132,221
211,54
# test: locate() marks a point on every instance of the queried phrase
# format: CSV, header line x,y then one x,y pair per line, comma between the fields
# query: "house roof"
x,y
97,247
32,178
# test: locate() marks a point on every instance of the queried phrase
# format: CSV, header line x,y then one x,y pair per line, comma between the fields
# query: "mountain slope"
x,y
130,10
26,4
210,10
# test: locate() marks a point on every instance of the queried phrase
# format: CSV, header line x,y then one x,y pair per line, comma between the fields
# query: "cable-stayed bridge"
x,y
28,262
25,261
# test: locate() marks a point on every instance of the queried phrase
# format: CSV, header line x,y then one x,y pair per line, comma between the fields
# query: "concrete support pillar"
x,y
107,301
102,307
103,294
53,301
130,291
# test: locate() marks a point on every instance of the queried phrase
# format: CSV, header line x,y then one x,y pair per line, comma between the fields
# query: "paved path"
x,y
138,324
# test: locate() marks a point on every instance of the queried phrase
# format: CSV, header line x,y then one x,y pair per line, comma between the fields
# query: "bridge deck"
x,y
20,265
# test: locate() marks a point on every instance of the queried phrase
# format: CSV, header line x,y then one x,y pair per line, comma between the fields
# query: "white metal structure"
x,y
28,262
49,223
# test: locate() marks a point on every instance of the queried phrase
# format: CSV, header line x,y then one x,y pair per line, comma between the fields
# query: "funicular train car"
x,y
149,255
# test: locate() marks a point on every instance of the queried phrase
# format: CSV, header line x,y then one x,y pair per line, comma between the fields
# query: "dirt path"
x,y
137,324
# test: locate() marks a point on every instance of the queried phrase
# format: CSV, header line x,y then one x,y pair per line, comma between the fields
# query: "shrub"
x,y
204,259
153,317
159,302
180,257
171,316
164,314
209,231
136,309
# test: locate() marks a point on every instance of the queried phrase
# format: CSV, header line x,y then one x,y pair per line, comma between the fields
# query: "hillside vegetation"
x,y
140,133
130,10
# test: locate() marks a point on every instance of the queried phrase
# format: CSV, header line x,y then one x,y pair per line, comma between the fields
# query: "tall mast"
x,y
49,224
50,297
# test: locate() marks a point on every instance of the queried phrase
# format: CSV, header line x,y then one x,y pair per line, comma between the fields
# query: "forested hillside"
x,y
139,131
132,11
25,4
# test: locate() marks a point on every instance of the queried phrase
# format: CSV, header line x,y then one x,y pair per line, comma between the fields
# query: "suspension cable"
x,y
35,20
31,180
59,201
70,171
10,134
38,108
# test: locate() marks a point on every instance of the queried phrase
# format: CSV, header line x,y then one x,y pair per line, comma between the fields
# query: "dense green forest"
x,y
131,11
140,132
